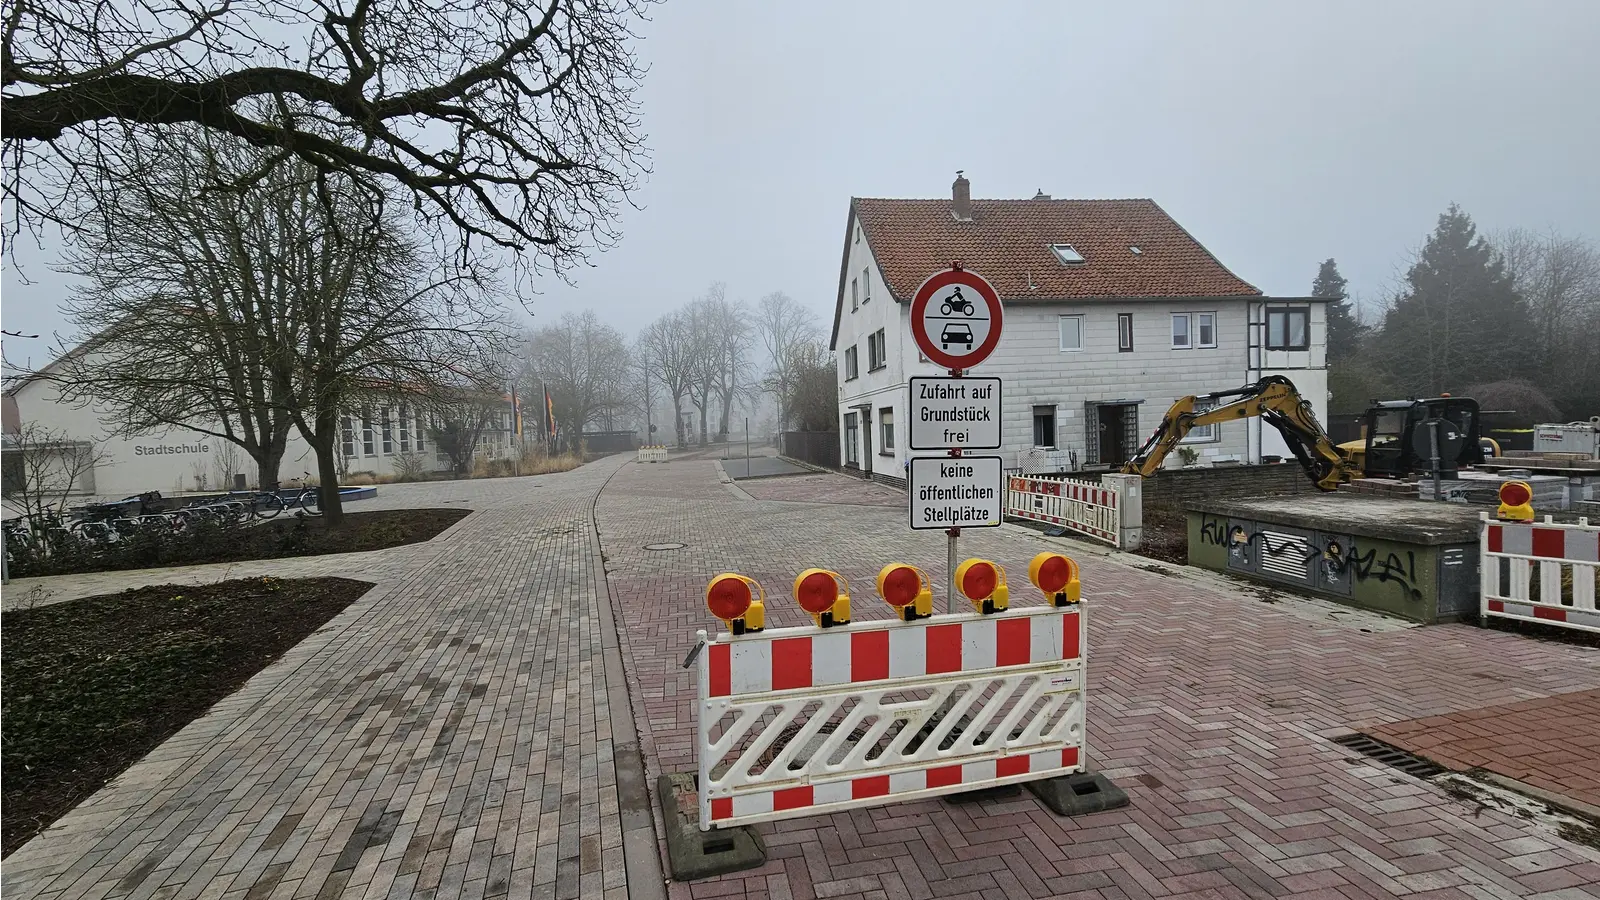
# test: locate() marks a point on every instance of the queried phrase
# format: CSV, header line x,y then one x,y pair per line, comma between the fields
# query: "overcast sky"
x,y
1278,133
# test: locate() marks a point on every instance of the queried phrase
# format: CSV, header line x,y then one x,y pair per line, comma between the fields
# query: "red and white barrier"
x,y
1567,557
805,721
1097,510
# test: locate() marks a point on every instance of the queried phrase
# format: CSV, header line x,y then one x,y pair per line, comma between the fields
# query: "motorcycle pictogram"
x,y
955,303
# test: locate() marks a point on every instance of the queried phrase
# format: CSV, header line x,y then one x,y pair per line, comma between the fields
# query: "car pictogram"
x,y
956,333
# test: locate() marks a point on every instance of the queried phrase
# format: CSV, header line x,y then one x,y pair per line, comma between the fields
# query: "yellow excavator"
x,y
1399,438
1276,401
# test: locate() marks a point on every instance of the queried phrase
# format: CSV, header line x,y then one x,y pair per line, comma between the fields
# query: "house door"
x,y
866,439
1118,424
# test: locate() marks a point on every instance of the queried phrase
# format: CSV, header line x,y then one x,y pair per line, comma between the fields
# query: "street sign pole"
x,y
954,536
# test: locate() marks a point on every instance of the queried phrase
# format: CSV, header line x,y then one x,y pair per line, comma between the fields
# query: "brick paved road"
x,y
457,732
1552,743
1210,706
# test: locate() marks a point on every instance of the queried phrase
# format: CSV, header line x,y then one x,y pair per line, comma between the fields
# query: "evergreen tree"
x,y
1459,319
1344,332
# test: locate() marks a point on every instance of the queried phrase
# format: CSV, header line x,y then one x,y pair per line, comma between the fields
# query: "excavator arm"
x,y
1276,401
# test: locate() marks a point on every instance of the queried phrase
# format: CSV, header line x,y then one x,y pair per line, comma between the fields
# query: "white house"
x,y
1112,312
376,439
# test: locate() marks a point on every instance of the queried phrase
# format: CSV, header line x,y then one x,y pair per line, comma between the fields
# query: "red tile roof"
x,y
1008,242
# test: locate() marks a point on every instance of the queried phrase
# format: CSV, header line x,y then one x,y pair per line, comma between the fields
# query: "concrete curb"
x,y
641,850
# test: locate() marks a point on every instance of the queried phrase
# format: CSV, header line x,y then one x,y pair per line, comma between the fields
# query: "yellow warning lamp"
x,y
1057,576
1516,502
738,601
908,589
983,582
825,595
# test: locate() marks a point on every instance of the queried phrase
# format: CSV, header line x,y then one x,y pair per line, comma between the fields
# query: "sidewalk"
x,y
457,732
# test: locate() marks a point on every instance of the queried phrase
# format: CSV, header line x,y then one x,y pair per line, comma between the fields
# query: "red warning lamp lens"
x,y
817,593
979,581
901,585
1054,574
1515,493
728,598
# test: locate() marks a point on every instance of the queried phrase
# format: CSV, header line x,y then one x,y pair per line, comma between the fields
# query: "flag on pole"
x,y
516,413
550,412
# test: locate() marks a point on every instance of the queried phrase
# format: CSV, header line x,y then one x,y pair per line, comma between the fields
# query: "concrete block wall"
x,y
1174,490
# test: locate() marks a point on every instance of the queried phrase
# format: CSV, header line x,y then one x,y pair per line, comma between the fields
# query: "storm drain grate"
x,y
1409,763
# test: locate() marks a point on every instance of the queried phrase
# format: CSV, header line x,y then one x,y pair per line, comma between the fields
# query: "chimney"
x,y
961,198
1041,195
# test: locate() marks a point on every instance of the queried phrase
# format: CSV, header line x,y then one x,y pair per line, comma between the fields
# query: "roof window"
x,y
1135,251
1067,254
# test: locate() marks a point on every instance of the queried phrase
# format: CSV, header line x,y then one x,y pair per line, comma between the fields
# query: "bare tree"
x,y
506,121
44,467
787,330
584,364
813,398
1559,277
721,358
182,300
672,353
458,418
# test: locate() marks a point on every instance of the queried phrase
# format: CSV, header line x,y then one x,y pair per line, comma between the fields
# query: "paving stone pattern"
x,y
452,733
1552,743
1211,707
449,735
822,488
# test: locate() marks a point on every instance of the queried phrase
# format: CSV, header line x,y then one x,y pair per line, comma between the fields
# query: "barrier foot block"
x,y
694,854
1079,794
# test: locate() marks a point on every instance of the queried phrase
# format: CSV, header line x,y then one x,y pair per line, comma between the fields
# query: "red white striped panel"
x,y
984,772
1086,493
1575,543
1064,523
1586,619
760,663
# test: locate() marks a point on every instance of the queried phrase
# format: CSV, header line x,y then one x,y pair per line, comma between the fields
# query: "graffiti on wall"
x,y
1335,562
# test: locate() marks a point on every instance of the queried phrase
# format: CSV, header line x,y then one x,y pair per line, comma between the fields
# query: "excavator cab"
x,y
1399,437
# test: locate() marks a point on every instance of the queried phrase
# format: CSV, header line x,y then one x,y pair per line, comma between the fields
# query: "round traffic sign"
x,y
956,318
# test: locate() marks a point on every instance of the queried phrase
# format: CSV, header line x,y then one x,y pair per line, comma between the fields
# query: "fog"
x,y
1280,134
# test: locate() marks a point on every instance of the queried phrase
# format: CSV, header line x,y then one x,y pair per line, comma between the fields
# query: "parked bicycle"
x,y
260,504
309,498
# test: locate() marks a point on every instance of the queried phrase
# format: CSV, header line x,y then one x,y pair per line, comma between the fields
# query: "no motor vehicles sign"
x,y
955,492
956,318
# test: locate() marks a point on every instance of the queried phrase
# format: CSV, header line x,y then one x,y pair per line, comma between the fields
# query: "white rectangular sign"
x,y
955,413
956,492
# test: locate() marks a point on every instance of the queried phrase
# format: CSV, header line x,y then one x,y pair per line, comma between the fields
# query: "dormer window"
x,y
1067,254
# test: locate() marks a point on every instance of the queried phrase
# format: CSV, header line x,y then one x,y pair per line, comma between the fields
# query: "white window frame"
x,y
1200,342
1124,332
886,431
852,363
883,350
1287,312
866,287
1054,414
1188,331
852,439
1061,335
855,295
1067,255
1203,434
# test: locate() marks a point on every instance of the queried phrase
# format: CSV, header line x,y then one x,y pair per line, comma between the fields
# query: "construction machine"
x,y
1273,398
1400,437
